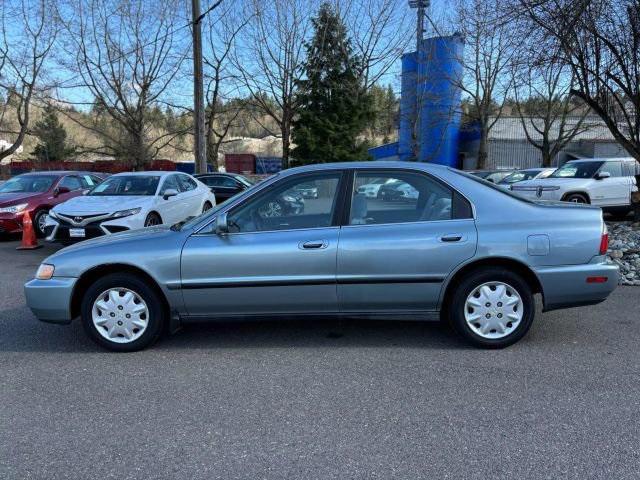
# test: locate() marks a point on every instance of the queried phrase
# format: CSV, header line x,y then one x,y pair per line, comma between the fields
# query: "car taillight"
x,y
604,240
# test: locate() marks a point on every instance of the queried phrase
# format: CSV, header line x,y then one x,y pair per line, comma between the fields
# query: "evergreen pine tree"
x,y
52,138
334,105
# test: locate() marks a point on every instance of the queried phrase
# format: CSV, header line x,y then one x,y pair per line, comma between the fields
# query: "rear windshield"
x,y
491,185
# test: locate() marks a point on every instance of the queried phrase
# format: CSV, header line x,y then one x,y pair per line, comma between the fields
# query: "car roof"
x,y
55,172
372,165
617,159
160,173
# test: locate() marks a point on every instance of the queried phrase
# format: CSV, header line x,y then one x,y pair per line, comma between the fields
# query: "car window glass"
x,y
614,168
70,182
88,181
228,182
211,181
402,197
304,202
170,183
186,184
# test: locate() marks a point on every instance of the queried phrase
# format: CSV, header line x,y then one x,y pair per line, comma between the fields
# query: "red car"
x,y
37,193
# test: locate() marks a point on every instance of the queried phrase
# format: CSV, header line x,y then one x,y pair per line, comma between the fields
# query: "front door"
x,y
278,257
395,254
612,191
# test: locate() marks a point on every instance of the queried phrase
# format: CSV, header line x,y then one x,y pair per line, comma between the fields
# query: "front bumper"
x,y
50,300
10,225
566,286
58,230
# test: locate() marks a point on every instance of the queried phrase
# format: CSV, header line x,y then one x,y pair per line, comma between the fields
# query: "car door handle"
x,y
454,237
313,245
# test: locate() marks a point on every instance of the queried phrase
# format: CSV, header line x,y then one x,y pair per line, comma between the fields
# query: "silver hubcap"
x,y
42,221
120,315
493,310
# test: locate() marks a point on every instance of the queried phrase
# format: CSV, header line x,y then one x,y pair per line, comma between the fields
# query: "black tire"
x,y
156,319
456,309
152,220
37,219
206,206
576,198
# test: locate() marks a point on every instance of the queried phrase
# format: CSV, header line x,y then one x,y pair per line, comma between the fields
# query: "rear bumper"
x,y
50,300
566,286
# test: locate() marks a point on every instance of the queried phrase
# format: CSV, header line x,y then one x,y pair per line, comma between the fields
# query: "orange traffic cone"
x,y
29,240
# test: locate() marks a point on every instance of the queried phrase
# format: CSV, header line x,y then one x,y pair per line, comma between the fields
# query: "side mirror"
x,y
61,190
222,224
170,192
602,175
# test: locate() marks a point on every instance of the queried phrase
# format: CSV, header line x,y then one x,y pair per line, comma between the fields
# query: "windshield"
x,y
519,176
577,170
29,184
138,185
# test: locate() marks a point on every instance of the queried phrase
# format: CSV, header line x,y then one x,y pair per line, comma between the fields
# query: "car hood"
x,y
148,233
87,204
552,182
8,199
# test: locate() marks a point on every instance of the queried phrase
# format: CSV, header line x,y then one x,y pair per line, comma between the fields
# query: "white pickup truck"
x,y
605,182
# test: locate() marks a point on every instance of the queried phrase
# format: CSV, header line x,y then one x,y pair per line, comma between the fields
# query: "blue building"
x,y
430,113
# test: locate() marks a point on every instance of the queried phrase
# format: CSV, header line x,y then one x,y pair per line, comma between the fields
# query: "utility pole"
x,y
198,91
422,6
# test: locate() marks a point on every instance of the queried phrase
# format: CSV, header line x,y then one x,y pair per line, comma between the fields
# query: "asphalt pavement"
x,y
319,399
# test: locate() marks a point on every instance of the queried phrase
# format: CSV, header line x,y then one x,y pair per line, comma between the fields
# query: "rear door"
x,y
279,256
394,255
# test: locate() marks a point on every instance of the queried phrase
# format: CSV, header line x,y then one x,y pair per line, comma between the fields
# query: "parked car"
x,y
493,176
129,201
37,193
526,174
224,185
372,189
605,182
451,254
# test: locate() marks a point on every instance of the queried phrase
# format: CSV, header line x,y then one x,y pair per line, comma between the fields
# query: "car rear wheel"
x,y
152,220
492,308
39,221
576,198
120,312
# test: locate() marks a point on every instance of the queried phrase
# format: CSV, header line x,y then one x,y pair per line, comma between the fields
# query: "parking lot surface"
x,y
319,399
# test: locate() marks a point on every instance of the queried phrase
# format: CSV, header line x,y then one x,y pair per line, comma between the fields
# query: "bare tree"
x,y
489,49
380,32
25,47
126,57
600,42
221,78
550,117
271,62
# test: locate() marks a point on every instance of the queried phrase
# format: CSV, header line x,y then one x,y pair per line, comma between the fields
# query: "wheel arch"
x,y
512,264
154,212
577,192
93,274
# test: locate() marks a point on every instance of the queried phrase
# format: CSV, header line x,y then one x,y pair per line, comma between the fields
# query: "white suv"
x,y
605,182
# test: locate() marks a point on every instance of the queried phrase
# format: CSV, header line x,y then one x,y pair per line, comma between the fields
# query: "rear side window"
x,y
383,197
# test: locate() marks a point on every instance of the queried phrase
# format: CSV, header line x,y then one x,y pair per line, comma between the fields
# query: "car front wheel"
x,y
39,222
120,312
492,308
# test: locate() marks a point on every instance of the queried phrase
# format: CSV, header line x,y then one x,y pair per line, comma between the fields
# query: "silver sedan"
x,y
460,249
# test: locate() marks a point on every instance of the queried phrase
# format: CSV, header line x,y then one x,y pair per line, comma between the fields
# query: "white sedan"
x,y
128,201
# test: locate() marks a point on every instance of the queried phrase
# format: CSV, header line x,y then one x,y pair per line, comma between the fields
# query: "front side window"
x,y
70,182
307,201
402,197
614,168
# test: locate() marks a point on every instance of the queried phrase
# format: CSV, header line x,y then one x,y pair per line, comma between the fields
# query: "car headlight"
x,y
14,208
126,213
45,271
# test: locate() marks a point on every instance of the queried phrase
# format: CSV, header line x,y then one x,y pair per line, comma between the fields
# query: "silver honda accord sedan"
x,y
447,245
